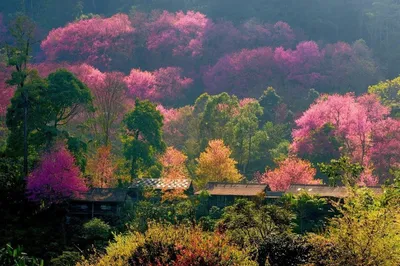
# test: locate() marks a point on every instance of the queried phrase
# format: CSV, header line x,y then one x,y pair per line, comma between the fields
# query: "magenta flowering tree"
x,y
386,146
88,74
348,67
177,33
161,85
56,178
246,73
359,126
300,65
95,40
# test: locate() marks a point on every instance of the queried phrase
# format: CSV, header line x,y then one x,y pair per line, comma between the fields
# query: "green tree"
x,y
311,212
218,111
365,233
245,126
389,94
145,138
342,171
18,56
247,223
52,102
269,101
66,95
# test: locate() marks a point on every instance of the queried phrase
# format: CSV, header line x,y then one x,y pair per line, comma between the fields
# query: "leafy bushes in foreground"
x,y
173,245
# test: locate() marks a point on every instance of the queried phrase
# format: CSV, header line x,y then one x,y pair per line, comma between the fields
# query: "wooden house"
x,y
138,186
225,194
325,191
98,202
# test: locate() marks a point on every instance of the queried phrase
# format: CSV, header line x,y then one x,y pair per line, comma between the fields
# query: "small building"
x,y
98,202
159,184
325,191
225,194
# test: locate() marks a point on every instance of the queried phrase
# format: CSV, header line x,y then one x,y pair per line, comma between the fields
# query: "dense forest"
x,y
99,96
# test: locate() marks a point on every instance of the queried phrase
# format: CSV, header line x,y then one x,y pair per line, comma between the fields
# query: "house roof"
x,y
102,195
234,189
161,183
326,191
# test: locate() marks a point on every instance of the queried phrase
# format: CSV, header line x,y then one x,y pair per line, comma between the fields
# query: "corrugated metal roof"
x,y
325,191
234,189
102,195
161,183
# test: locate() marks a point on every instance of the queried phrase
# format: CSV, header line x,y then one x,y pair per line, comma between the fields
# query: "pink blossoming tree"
x,y
95,40
161,85
56,177
245,73
360,126
180,33
290,171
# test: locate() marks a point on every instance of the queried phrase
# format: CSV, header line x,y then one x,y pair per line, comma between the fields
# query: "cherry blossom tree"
x,y
348,67
300,65
290,171
385,154
178,33
160,85
245,73
95,39
56,178
110,104
358,125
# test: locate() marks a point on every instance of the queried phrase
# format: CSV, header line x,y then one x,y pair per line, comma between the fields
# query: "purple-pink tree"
x,y
177,33
245,73
360,126
56,178
94,40
162,85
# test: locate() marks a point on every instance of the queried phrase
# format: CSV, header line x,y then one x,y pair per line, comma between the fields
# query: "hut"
x,y
157,185
98,202
225,194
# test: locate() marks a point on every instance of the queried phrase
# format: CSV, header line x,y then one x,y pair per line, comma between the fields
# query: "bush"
x,y
96,229
68,258
284,249
173,245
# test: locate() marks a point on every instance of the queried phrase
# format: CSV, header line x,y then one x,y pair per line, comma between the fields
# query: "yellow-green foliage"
x,y
367,233
118,252
172,245
389,93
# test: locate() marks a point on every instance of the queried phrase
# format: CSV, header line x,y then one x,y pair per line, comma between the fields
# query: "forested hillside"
x,y
96,95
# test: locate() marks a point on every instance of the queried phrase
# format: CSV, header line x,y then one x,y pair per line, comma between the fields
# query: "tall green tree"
x,y
18,55
66,95
52,102
245,126
144,140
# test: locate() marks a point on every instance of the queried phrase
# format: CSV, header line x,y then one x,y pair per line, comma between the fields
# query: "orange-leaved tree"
x,y
173,162
215,164
101,168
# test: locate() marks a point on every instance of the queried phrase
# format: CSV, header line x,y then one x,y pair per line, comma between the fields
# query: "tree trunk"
x,y
25,133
